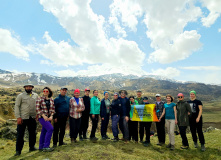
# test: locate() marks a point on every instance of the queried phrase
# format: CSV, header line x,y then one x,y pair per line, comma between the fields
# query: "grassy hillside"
x,y
118,150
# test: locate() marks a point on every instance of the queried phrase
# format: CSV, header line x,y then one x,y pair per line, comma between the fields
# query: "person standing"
x,y
170,115
60,117
85,115
76,107
124,115
94,114
25,112
133,125
45,110
196,120
146,126
161,124
115,116
105,114
183,109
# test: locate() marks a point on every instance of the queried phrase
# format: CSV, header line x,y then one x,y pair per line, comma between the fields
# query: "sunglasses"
x,y
180,97
45,91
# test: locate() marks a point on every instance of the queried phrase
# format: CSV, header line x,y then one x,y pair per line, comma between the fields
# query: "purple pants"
x,y
46,133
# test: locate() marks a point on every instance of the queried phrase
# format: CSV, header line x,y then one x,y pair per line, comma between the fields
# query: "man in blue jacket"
x,y
124,115
60,118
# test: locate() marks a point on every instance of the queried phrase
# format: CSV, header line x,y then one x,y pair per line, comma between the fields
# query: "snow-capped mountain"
x,y
147,83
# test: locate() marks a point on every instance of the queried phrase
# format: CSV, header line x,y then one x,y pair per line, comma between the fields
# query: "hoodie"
x,y
183,108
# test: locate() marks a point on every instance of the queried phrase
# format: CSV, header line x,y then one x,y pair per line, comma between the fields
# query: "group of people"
x,y
29,107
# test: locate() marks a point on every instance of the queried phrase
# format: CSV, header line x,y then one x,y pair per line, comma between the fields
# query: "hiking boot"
x,y
146,144
103,138
55,145
32,149
48,149
85,137
18,153
184,147
195,144
63,144
107,137
115,139
93,138
169,145
203,149
141,141
160,144
172,147
81,138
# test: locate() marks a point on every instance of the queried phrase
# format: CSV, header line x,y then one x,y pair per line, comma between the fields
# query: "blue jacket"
x,y
61,106
115,107
103,110
125,107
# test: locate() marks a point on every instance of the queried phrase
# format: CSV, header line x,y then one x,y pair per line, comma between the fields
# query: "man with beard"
x,y
25,112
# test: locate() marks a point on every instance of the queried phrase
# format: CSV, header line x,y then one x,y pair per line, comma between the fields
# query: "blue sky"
x,y
175,39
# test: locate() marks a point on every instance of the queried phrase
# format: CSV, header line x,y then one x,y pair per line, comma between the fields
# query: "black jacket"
x,y
115,107
103,110
87,105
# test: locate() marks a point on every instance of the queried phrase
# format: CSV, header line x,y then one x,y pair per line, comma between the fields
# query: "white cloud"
x,y
183,46
215,10
87,29
169,72
97,70
10,43
219,30
165,22
46,62
206,68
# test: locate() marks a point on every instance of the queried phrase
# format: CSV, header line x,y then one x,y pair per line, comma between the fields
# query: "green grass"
x,y
118,150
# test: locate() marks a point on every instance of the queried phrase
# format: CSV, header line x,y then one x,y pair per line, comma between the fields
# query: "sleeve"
x,y
128,108
39,111
83,106
92,105
53,107
18,106
199,102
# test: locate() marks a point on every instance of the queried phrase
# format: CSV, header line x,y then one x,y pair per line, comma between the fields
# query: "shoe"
x,y
146,144
18,153
85,137
107,137
73,140
48,149
136,141
160,144
168,146
184,147
203,149
172,147
55,145
81,138
126,142
40,150
62,144
32,149
93,138
195,144
115,139
103,138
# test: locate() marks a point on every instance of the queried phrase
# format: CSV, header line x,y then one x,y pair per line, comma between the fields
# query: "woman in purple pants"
x,y
45,110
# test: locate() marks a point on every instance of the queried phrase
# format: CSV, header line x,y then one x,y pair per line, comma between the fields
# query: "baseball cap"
x,y
64,88
158,95
87,89
28,85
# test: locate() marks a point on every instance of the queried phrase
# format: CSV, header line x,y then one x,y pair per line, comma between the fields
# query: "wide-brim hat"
x,y
28,85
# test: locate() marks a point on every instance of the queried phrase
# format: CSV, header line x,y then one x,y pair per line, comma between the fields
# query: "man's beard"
x,y
28,90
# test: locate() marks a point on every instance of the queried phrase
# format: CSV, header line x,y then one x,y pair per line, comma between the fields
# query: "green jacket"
x,y
183,108
95,105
